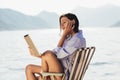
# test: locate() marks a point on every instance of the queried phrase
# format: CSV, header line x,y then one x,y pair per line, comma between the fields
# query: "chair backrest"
x,y
80,59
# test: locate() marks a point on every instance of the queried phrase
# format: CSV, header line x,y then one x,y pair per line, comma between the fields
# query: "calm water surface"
x,y
14,54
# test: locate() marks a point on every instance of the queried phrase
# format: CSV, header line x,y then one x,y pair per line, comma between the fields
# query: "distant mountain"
x,y
105,16
102,16
13,20
50,17
117,24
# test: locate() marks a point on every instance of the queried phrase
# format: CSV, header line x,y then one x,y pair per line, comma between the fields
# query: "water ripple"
x,y
100,63
16,69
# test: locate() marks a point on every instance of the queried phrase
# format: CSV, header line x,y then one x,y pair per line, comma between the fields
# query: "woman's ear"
x,y
73,26
73,21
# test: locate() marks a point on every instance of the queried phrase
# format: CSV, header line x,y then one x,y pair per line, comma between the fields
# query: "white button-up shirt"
x,y
70,45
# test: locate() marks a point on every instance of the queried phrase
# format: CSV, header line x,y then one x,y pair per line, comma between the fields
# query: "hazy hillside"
x,y
51,18
117,24
12,20
103,16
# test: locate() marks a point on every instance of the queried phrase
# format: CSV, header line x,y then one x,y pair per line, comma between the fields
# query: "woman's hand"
x,y
68,27
31,51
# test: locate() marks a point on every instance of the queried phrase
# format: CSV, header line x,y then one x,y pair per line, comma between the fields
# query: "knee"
x,y
28,67
48,54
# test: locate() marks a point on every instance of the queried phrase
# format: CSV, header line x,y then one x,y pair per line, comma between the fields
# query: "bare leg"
x,y
31,70
50,63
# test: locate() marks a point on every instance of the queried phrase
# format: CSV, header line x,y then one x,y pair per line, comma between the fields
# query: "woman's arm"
x,y
66,31
61,41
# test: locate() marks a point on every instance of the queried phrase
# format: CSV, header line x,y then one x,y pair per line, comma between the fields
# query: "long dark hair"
x,y
71,16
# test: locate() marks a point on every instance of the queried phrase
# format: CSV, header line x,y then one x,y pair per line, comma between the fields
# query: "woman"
x,y
71,40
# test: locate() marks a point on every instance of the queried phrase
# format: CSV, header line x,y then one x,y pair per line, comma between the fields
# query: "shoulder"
x,y
79,35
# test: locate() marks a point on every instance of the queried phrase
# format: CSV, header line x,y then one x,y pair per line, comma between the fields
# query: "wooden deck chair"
x,y
80,60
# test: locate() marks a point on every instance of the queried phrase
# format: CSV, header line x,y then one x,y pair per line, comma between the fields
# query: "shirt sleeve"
x,y
67,49
72,46
60,52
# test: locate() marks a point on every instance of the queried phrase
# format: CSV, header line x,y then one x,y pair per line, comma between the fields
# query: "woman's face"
x,y
64,22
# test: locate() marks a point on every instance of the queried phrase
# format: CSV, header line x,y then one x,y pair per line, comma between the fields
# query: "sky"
x,y
33,7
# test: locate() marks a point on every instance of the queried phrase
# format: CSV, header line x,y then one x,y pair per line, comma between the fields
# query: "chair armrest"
x,y
51,74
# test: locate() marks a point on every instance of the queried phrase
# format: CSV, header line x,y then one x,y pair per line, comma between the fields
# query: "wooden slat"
x,y
74,65
91,53
87,50
49,74
89,57
83,63
79,65
71,60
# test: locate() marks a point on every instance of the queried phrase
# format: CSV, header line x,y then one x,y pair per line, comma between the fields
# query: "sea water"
x,y
14,53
